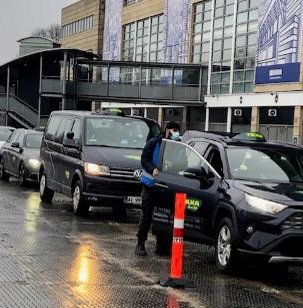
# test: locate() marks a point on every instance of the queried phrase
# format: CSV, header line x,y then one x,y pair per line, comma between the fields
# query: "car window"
x,y
116,132
178,156
15,136
77,129
65,126
52,127
214,158
5,134
33,140
20,138
269,164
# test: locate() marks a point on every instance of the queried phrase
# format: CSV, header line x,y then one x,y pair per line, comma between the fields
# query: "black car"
x,y
92,158
250,204
19,156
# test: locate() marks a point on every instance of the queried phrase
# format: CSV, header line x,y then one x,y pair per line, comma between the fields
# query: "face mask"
x,y
175,136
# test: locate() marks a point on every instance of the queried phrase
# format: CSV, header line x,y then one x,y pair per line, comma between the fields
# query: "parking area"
x,y
50,258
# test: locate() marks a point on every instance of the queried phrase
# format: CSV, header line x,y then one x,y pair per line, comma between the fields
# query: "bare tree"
x,y
52,32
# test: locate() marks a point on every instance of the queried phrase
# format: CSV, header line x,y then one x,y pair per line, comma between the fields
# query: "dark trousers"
x,y
147,213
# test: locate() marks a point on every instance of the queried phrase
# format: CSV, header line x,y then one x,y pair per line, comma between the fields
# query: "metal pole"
x,y
40,90
172,84
108,76
228,128
7,94
200,83
207,119
140,83
64,81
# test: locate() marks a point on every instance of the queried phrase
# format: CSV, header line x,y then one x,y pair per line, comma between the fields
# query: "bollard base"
x,y
176,283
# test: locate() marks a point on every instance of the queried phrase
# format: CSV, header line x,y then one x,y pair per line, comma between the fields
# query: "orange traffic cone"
x,y
176,279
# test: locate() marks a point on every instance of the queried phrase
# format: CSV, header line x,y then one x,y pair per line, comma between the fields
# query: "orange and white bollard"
x,y
176,279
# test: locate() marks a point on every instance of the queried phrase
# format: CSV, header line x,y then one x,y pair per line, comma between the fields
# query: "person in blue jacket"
x,y
149,163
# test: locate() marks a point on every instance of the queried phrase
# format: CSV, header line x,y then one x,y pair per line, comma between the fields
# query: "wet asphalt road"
x,y
49,258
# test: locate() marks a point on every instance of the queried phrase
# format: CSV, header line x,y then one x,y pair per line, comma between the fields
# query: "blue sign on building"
x,y
279,42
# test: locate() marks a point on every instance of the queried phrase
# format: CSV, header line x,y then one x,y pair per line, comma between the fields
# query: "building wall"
x,y
89,40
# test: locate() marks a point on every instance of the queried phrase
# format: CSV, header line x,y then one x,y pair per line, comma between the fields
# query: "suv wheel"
x,y
226,253
22,180
46,194
80,205
3,175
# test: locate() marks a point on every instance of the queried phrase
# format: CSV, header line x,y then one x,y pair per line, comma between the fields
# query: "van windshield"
x,y
118,132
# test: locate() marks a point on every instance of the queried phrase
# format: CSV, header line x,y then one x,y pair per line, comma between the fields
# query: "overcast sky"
x,y
18,18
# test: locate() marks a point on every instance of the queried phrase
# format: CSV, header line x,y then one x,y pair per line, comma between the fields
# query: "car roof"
x,y
30,131
84,114
227,139
7,127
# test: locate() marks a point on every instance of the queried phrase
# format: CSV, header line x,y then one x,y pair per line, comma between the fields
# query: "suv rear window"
x,y
117,132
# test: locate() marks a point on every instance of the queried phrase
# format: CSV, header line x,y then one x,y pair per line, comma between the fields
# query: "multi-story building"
x,y
250,51
82,26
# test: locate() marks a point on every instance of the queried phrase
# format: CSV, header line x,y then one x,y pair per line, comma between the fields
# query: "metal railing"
x,y
20,108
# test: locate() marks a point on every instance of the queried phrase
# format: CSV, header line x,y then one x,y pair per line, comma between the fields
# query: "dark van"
x,y
92,157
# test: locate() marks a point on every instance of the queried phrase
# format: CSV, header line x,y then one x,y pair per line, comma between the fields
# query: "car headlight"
x,y
94,169
34,163
264,205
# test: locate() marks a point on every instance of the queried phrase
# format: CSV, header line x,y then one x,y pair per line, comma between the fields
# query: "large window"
x,y
245,46
78,26
142,42
222,46
227,41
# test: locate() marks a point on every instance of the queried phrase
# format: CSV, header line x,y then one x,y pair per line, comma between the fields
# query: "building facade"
x,y
82,26
250,51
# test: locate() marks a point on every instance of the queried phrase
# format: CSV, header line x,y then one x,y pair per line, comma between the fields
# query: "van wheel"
x,y
3,175
226,250
80,206
22,180
46,194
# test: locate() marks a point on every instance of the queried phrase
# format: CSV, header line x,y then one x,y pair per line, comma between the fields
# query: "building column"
x,y
64,82
228,127
206,119
298,121
160,116
184,119
255,119
40,90
7,93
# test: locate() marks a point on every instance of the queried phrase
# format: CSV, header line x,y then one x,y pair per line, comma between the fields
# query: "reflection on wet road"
x,y
49,258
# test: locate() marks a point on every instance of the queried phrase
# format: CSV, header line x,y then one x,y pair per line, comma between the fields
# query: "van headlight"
x,y
264,205
94,169
34,163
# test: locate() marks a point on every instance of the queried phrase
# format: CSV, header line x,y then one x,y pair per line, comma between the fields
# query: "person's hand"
x,y
155,172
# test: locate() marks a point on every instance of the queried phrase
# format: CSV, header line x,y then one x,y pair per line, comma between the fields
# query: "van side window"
x,y
77,129
14,136
52,127
64,127
20,138
214,158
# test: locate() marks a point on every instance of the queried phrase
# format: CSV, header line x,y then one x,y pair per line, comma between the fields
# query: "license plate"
x,y
132,200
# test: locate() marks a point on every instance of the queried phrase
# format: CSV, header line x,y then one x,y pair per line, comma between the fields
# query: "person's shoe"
x,y
140,250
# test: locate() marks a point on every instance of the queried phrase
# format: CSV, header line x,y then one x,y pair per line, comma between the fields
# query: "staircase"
x,y
20,111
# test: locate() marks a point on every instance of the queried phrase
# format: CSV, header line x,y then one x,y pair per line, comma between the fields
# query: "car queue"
x,y
244,194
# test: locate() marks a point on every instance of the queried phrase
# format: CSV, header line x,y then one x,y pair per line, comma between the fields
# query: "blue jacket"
x,y
149,157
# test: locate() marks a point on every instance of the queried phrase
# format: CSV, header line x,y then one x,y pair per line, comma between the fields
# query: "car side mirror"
x,y
71,143
70,135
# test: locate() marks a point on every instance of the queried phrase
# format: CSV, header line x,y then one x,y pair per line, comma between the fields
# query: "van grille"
x,y
295,221
122,173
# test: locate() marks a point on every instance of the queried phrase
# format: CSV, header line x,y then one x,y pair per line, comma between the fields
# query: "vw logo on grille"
x,y
138,173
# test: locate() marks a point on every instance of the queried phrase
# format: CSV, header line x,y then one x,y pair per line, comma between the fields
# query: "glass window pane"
x,y
218,23
238,87
253,15
242,17
248,87
228,21
239,76
225,88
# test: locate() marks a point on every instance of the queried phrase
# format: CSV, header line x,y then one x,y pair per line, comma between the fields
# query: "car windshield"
x,y
33,140
4,134
119,132
266,164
